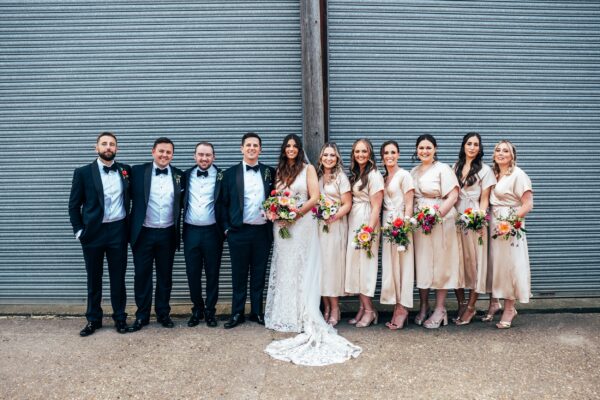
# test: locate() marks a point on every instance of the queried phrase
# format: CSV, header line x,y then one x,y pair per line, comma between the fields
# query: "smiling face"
x,y
291,149
251,150
390,156
329,158
162,154
472,148
503,155
204,156
426,151
106,147
361,154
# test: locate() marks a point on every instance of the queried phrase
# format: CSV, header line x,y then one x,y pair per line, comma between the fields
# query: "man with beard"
x,y
99,211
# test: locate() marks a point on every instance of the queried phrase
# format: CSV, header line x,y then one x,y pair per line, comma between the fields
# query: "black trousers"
x,y
112,243
249,248
155,246
203,248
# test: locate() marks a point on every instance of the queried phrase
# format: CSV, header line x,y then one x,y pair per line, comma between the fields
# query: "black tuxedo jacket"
x,y
141,179
233,193
86,202
219,211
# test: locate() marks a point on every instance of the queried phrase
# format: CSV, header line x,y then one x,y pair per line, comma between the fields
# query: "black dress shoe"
x,y
121,326
166,321
138,324
90,328
234,321
211,321
258,318
195,318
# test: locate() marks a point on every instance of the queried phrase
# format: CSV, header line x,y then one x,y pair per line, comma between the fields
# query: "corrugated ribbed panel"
x,y
192,71
526,71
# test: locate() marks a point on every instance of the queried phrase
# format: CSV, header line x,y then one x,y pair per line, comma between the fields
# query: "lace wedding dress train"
x,y
293,297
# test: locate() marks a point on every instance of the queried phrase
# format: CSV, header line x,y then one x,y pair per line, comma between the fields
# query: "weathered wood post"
x,y
312,78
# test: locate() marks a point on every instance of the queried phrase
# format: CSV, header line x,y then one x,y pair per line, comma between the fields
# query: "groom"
x,y
245,186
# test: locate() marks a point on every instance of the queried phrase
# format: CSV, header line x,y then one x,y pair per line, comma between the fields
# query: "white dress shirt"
x,y
201,198
159,213
254,195
114,210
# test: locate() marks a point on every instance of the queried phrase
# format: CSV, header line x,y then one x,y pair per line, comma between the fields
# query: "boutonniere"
x,y
267,175
220,176
177,178
124,173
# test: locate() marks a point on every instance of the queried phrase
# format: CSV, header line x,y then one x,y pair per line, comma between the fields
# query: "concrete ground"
x,y
544,356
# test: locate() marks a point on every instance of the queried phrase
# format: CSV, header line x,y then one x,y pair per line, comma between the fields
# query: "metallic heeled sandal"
x,y
490,317
506,324
461,321
429,324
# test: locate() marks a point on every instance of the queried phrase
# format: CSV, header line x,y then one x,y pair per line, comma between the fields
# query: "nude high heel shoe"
x,y
419,321
431,324
460,321
490,317
358,317
369,317
335,317
506,324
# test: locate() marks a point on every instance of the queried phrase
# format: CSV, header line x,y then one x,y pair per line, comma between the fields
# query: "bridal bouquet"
x,y
427,217
473,220
281,206
396,231
324,210
509,226
363,239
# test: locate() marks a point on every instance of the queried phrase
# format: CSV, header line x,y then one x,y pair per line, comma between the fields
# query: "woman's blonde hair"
x,y
339,165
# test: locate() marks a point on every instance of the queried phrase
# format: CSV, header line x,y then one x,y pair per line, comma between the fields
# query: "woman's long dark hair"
x,y
355,172
429,138
382,149
287,173
462,159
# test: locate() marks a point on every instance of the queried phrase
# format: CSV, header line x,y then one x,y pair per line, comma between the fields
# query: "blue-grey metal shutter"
x,y
528,71
192,71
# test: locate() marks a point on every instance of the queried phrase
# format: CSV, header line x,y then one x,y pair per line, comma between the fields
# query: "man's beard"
x,y
107,156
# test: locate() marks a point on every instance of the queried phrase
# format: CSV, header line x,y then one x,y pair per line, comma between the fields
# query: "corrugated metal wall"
x,y
528,71
192,71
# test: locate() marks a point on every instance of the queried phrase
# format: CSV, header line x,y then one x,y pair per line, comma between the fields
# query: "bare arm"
x,y
344,209
449,202
484,200
312,182
376,201
526,204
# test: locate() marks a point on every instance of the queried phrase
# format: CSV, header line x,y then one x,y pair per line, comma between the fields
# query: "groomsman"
x,y
203,233
98,210
245,186
155,229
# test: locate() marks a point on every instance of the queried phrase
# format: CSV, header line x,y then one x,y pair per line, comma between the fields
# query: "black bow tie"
x,y
159,171
254,168
202,173
111,168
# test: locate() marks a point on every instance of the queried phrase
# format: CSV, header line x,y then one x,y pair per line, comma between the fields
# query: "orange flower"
x,y
284,201
364,236
503,228
468,210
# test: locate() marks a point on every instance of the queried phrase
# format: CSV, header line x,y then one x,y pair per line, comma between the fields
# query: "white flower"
x,y
464,218
333,210
292,215
431,211
326,215
413,221
401,249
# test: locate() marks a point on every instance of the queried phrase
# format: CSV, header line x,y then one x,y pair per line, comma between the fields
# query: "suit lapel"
x,y
147,182
98,183
218,182
239,181
265,173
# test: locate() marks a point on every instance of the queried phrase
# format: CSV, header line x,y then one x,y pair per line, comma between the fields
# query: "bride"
x,y
294,283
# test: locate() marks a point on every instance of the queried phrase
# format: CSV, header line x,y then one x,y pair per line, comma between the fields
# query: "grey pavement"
x,y
544,356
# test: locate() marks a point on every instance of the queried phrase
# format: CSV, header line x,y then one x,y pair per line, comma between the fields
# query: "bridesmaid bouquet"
x,y
324,210
396,231
363,239
281,206
427,217
509,227
473,220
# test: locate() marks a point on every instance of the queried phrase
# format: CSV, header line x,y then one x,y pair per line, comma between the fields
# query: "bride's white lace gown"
x,y
293,296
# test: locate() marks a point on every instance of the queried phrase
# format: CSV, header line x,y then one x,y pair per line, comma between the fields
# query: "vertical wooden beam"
x,y
312,78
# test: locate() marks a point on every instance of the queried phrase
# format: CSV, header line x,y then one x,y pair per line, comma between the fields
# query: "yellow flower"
x,y
503,227
364,237
284,201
